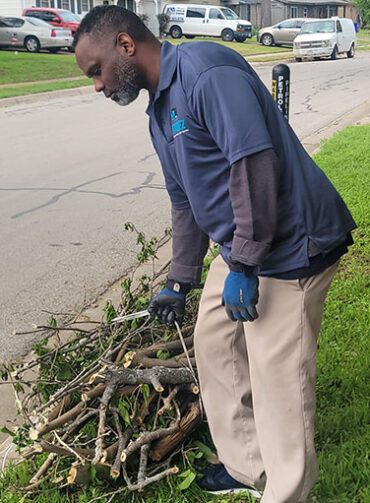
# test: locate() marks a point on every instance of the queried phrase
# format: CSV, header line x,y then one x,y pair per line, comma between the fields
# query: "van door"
x,y
340,37
215,22
195,21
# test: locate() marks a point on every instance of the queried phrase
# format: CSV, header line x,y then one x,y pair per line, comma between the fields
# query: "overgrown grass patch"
x,y
41,87
249,47
343,359
26,67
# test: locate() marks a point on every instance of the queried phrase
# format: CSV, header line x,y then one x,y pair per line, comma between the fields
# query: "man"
x,y
235,172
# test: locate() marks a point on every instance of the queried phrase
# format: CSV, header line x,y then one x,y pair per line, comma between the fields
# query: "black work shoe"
x,y
216,480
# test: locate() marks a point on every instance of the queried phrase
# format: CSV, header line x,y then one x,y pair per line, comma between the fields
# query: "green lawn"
x,y
342,438
25,67
249,47
42,87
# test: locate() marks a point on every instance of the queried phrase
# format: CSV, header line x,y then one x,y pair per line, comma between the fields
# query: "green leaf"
x,y
145,390
124,411
110,312
6,430
162,354
204,449
53,322
188,477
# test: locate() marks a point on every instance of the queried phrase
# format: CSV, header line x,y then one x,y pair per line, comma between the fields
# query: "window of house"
x,y
305,12
65,5
44,3
127,4
294,12
333,11
85,5
196,12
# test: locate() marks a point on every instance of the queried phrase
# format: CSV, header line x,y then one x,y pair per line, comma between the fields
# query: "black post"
x,y
281,87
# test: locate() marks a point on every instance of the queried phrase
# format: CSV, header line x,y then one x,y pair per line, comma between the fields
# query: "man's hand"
x,y
240,296
168,306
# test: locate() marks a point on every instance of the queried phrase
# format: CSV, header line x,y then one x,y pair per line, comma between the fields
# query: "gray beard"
x,y
128,88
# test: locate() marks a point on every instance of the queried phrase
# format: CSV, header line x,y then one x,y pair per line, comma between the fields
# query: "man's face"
x,y
113,73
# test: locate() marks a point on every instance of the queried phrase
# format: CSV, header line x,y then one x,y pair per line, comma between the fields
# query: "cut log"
x,y
187,424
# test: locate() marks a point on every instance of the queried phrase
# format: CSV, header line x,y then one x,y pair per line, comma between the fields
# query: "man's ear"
x,y
125,44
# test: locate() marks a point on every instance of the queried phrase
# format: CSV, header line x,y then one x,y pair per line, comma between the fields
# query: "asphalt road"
x,y
73,170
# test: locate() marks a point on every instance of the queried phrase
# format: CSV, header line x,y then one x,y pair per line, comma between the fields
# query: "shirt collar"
x,y
168,66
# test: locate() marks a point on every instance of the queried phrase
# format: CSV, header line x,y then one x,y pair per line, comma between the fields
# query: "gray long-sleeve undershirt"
x,y
253,189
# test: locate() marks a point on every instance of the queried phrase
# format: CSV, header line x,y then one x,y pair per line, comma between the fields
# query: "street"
x,y
73,170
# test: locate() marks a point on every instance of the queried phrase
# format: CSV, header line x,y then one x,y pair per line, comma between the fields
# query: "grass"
x,y
342,407
247,48
40,87
25,67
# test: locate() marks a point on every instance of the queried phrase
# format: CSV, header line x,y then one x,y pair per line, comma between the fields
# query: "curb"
x,y
29,99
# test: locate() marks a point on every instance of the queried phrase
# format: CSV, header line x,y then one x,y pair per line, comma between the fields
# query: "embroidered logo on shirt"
x,y
178,125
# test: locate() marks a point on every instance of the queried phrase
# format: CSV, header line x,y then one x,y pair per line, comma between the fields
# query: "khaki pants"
x,y
258,382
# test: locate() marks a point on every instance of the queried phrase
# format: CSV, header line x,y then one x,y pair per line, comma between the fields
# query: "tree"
x,y
364,8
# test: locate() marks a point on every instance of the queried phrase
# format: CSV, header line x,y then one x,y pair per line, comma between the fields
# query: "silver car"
x,y
282,33
33,34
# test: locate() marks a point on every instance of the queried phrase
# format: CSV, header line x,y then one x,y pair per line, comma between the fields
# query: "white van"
x,y
210,20
321,38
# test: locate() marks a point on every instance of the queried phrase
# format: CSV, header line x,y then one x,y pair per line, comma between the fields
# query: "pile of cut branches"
x,y
115,401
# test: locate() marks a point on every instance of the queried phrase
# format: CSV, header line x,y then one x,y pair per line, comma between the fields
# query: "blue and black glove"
x,y
240,295
169,304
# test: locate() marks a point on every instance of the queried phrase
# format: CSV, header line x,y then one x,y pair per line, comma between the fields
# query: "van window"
x,y
215,14
196,12
318,27
229,14
339,27
288,24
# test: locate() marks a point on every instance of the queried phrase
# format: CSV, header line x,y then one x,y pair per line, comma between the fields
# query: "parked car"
x,y
210,20
56,17
325,38
33,34
282,33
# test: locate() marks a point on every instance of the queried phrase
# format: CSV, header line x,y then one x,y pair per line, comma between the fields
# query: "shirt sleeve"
x,y
225,101
254,185
189,246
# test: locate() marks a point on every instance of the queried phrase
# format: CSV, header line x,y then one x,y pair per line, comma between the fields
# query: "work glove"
x,y
240,296
169,304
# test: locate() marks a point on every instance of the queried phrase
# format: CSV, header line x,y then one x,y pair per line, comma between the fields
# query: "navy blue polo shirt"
x,y
210,110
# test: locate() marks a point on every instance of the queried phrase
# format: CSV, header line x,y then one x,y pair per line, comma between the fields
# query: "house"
x,y
14,7
285,9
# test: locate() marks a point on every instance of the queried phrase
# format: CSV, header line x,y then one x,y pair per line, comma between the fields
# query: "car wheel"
x,y
298,60
189,36
334,54
267,39
238,38
351,52
227,35
176,32
32,44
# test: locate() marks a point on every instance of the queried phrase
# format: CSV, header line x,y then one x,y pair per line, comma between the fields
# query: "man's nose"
x,y
98,83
